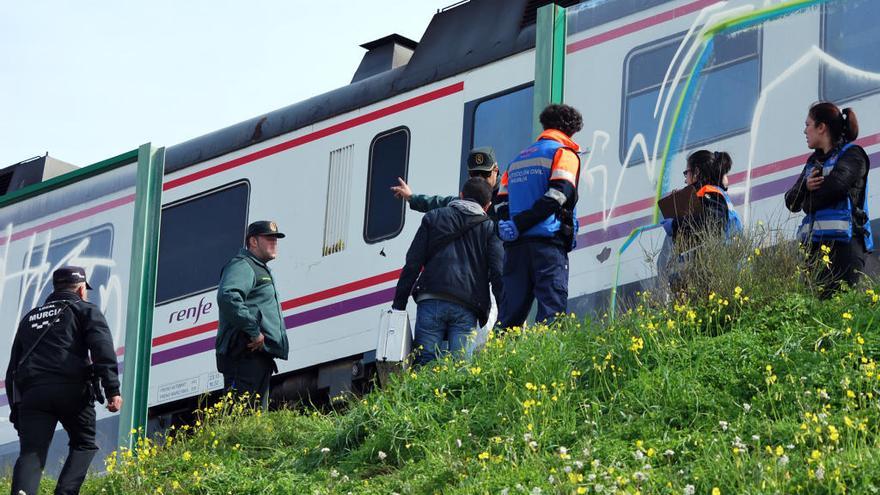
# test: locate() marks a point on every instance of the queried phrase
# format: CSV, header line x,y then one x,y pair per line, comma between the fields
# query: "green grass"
x,y
774,394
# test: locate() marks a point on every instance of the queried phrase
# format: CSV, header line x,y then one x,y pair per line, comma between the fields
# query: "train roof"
x,y
458,39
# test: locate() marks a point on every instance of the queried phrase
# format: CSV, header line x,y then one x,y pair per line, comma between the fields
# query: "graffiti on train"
x,y
26,277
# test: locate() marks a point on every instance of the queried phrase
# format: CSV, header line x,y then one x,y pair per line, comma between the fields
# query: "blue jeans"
x,y
533,270
438,320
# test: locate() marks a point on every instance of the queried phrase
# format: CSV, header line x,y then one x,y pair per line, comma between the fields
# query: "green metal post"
x,y
549,60
141,294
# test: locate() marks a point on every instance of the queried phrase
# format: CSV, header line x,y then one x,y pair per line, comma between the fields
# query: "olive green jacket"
x,y
248,304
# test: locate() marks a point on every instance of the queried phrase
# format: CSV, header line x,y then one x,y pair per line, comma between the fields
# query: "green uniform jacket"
x,y
425,203
248,303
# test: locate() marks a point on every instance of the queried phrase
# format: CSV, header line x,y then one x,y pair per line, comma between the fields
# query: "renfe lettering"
x,y
194,312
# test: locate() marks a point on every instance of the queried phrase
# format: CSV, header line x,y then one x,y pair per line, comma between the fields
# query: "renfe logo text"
x,y
194,312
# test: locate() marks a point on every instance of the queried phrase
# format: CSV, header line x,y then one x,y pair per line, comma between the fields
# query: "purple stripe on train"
x,y
292,321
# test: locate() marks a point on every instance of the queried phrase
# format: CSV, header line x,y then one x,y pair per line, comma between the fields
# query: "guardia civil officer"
x,y
832,191
537,219
481,162
49,380
251,333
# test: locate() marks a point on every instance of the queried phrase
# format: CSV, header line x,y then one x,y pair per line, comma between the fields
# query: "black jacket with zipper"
x,y
460,271
79,339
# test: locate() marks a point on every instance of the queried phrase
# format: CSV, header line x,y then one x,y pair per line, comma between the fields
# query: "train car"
x,y
322,168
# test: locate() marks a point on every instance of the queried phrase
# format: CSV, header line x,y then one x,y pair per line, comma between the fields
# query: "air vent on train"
x,y
384,54
530,14
31,171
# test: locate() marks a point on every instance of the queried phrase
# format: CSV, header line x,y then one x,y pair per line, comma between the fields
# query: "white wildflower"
x,y
747,407
723,425
382,455
334,473
820,473
325,450
689,490
783,460
669,453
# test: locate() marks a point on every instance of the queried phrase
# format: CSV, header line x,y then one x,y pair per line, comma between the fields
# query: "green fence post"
x,y
549,60
141,294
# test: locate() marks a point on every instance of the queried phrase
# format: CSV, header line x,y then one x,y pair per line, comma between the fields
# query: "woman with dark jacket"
x,y
831,190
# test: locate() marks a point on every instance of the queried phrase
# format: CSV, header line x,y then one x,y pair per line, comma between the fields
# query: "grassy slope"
x,y
748,397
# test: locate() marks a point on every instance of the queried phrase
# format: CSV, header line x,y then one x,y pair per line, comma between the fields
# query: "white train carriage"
x,y
322,168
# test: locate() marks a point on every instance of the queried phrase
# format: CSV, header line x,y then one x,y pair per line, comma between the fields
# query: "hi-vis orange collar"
x,y
560,137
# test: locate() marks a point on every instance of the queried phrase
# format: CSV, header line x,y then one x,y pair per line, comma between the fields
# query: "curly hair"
x,y
563,118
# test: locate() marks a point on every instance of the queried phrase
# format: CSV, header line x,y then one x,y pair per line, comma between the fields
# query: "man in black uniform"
x,y
49,379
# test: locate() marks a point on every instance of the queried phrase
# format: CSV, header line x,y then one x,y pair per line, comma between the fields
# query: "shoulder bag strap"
x,y
455,236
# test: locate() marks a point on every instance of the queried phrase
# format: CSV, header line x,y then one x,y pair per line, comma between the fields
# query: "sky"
x,y
87,80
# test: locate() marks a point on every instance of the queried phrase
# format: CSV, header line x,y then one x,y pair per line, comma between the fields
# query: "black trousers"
x,y
847,263
250,373
40,410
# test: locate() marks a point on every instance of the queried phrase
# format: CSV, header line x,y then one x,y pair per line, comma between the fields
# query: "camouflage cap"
x,y
264,227
481,159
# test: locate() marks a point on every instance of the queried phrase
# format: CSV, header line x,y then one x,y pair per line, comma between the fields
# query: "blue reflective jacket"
x,y
528,179
734,223
834,224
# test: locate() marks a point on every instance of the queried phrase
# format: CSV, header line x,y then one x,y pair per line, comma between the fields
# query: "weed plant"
x,y
749,385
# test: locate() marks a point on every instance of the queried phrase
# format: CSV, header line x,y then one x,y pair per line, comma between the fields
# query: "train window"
x,y
849,34
338,200
92,249
503,122
729,86
198,236
389,159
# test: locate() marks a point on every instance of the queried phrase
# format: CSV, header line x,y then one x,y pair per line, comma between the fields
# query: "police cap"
x,y
70,275
264,227
481,159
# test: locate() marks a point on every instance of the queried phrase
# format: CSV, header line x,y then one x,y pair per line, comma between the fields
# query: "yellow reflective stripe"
x,y
556,194
563,174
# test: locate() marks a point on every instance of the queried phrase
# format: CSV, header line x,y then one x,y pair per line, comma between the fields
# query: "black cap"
x,y
482,159
70,275
264,227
